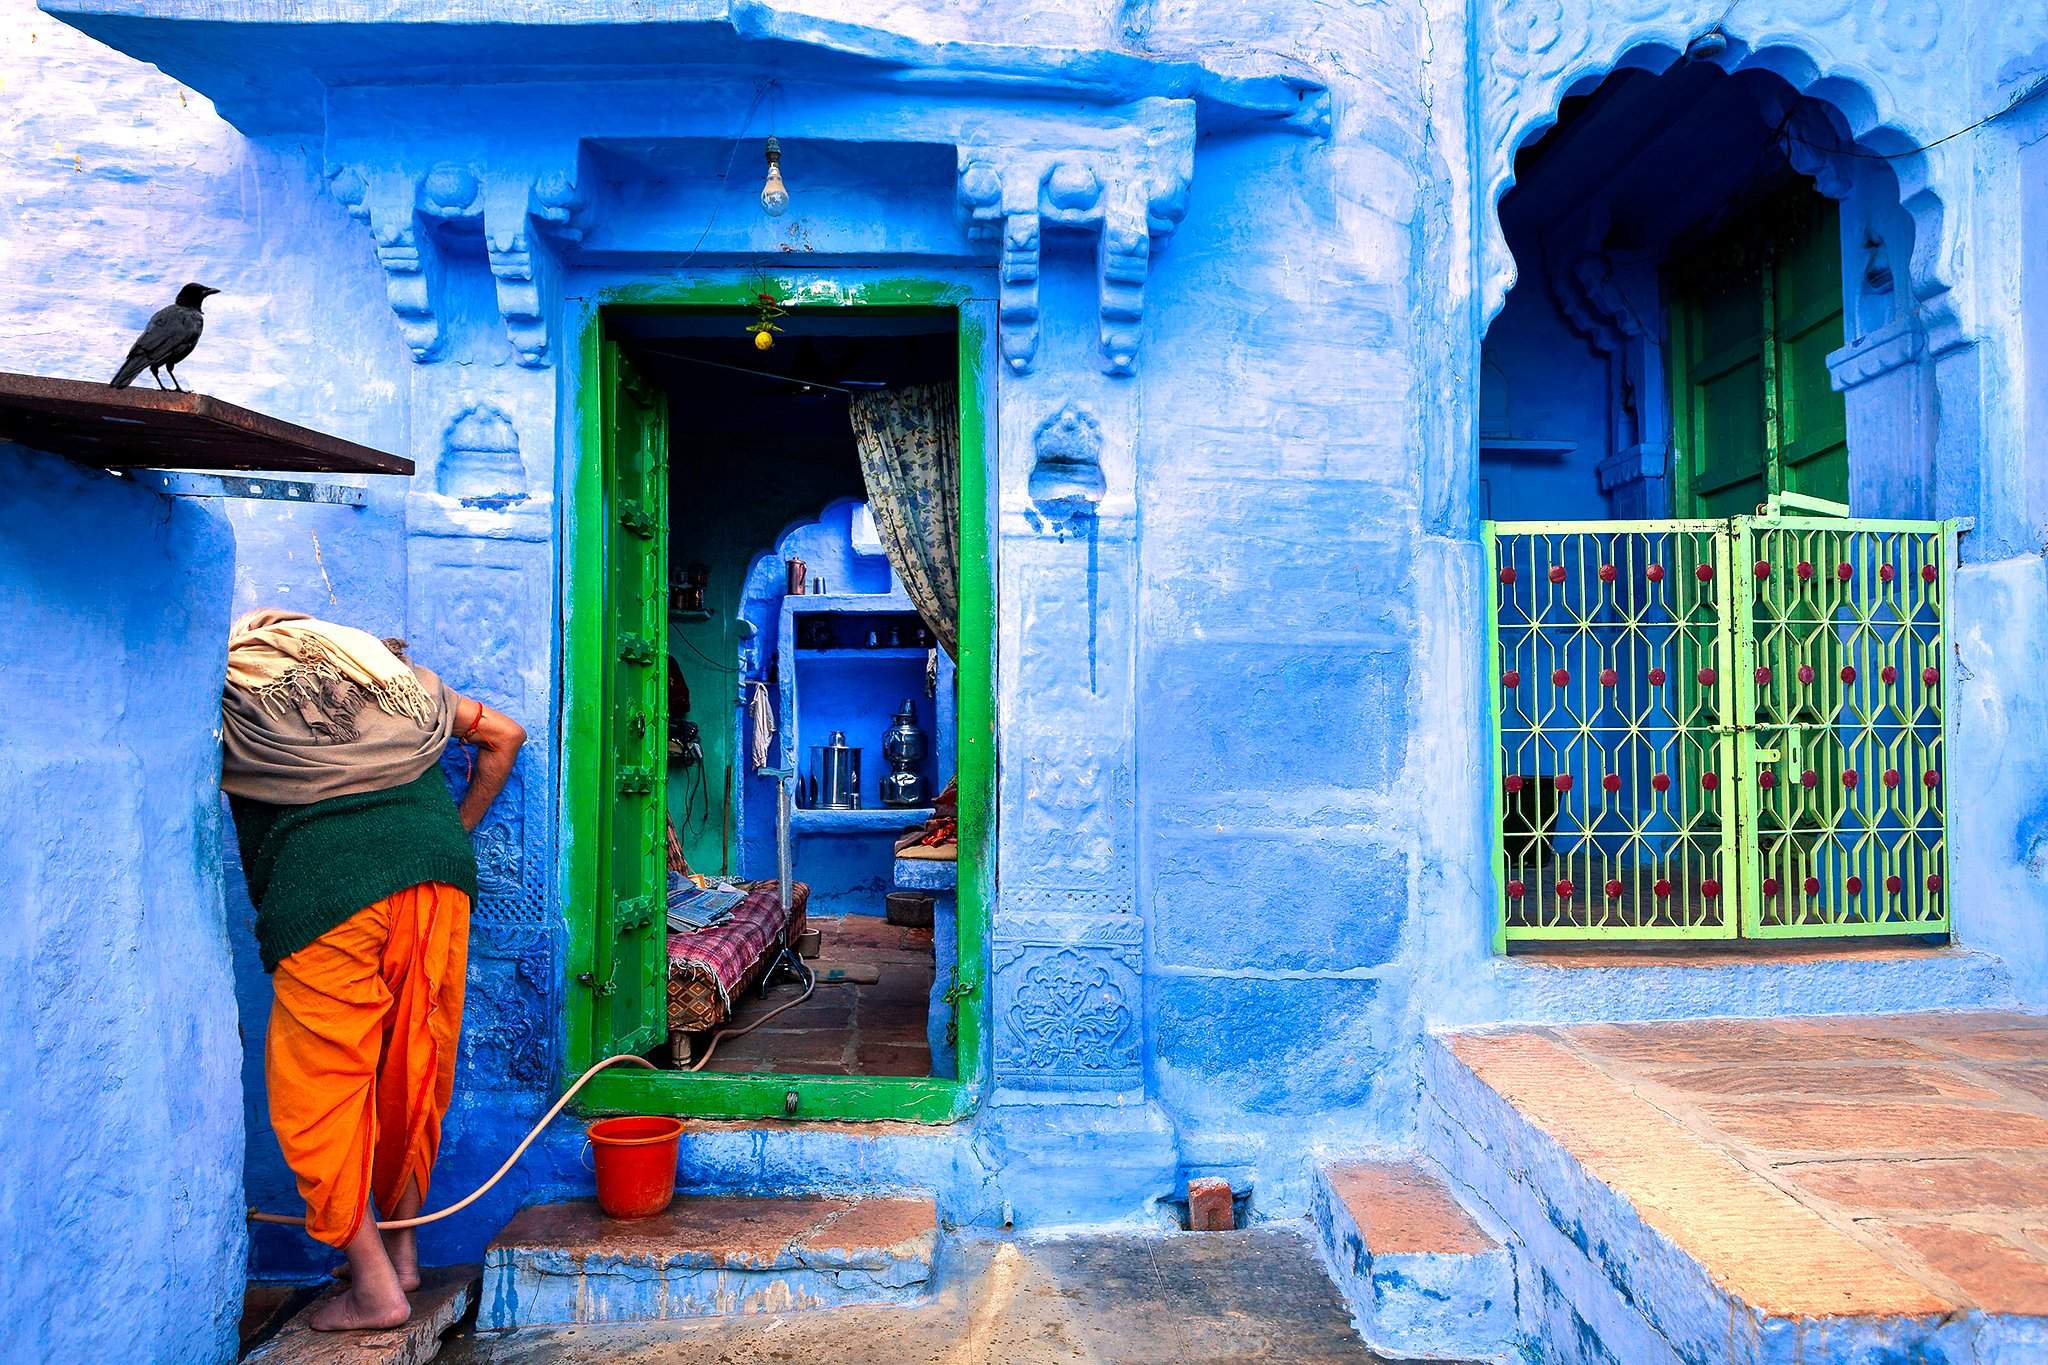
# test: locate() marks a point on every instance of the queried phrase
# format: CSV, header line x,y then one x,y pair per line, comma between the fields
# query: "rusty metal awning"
x,y
146,428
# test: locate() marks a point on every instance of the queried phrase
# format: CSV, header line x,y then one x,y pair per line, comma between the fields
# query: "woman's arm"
x,y
497,738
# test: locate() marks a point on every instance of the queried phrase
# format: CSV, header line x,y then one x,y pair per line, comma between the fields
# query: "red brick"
x,y
1998,1275
1209,1205
1867,1080
1804,1125
1961,1184
1402,1208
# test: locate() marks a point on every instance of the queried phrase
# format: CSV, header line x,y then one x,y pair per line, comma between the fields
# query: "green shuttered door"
x,y
632,928
1753,317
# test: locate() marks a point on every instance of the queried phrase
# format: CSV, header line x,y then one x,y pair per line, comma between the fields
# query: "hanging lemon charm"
x,y
768,308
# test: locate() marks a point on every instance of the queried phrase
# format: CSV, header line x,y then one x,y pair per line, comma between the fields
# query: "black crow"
x,y
168,339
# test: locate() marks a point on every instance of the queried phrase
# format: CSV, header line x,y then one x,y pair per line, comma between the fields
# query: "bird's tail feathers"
x,y
125,376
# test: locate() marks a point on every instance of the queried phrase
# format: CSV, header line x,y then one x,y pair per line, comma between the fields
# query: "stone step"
x,y
706,1257
443,1297
1424,1279
1641,1236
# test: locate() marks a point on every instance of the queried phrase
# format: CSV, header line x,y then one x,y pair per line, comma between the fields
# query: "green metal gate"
x,y
1712,728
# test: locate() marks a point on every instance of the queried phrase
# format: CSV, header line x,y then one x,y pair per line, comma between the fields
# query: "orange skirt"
x,y
360,1058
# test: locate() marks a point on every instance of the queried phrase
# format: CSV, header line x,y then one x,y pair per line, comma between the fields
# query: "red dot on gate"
x,y
1844,572
1855,885
1934,882
1812,886
1710,888
1763,569
1611,782
1557,573
1507,574
1930,676
1561,676
1514,782
1706,677
1704,573
1931,778
1608,677
1515,890
1928,573
1662,888
1849,778
1891,777
1888,674
1656,677
1763,677
1613,889
1655,573
1709,781
1848,673
1808,777
1511,679
1564,782
1804,569
1806,673
1608,573
1661,782
1564,890
1886,573
1893,884
1767,779
1770,886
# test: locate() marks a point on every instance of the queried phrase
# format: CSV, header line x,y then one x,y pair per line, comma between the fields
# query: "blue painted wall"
x,y
120,1158
1241,847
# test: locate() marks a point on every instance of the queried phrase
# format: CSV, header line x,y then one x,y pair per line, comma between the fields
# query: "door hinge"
x,y
588,980
635,781
637,522
636,649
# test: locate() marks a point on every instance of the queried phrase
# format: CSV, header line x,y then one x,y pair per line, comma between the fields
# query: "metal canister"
x,y
835,771
797,570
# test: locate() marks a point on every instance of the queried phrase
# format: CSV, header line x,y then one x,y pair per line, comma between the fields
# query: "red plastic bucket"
x,y
635,1160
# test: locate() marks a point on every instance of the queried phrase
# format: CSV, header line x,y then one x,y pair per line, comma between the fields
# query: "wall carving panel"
x,y
1066,1001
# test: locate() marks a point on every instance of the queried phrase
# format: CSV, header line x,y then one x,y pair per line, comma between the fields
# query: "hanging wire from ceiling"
x,y
761,89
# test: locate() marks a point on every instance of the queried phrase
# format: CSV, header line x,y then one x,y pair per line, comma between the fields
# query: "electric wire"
x,y
810,980
257,1215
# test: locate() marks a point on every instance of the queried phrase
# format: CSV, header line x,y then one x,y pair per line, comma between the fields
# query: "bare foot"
x,y
353,1311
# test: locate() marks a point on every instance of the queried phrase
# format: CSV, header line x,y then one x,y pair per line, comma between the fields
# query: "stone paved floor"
x,y
845,1029
1894,1164
1164,1299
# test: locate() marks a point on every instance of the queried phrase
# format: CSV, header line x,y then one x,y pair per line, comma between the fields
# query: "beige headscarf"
x,y
312,709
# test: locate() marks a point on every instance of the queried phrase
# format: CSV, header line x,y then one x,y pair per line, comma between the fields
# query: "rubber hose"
x,y
620,1059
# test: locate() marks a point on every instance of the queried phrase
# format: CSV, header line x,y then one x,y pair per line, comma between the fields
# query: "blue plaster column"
x,y
121,1203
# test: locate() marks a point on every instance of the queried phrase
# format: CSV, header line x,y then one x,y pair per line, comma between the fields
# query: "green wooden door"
x,y
630,961
1753,316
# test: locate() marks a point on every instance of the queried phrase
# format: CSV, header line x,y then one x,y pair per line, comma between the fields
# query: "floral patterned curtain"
x,y
909,442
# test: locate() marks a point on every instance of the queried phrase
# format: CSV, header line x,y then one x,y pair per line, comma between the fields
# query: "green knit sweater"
x,y
311,867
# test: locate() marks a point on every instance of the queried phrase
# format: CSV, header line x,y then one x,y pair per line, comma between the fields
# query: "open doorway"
x,y
786,872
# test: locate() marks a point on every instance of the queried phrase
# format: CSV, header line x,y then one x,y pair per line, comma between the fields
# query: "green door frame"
x,y
586,517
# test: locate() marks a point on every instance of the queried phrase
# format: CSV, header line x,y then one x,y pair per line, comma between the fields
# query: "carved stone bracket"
x,y
1127,190
518,214
411,217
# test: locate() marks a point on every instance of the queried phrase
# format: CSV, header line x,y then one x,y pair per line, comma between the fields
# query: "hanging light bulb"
x,y
774,194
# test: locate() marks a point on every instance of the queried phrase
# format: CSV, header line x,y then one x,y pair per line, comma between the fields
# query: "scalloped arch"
x,y
1515,118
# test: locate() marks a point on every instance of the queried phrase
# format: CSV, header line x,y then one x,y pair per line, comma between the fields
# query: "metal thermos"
x,y
835,773
903,748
